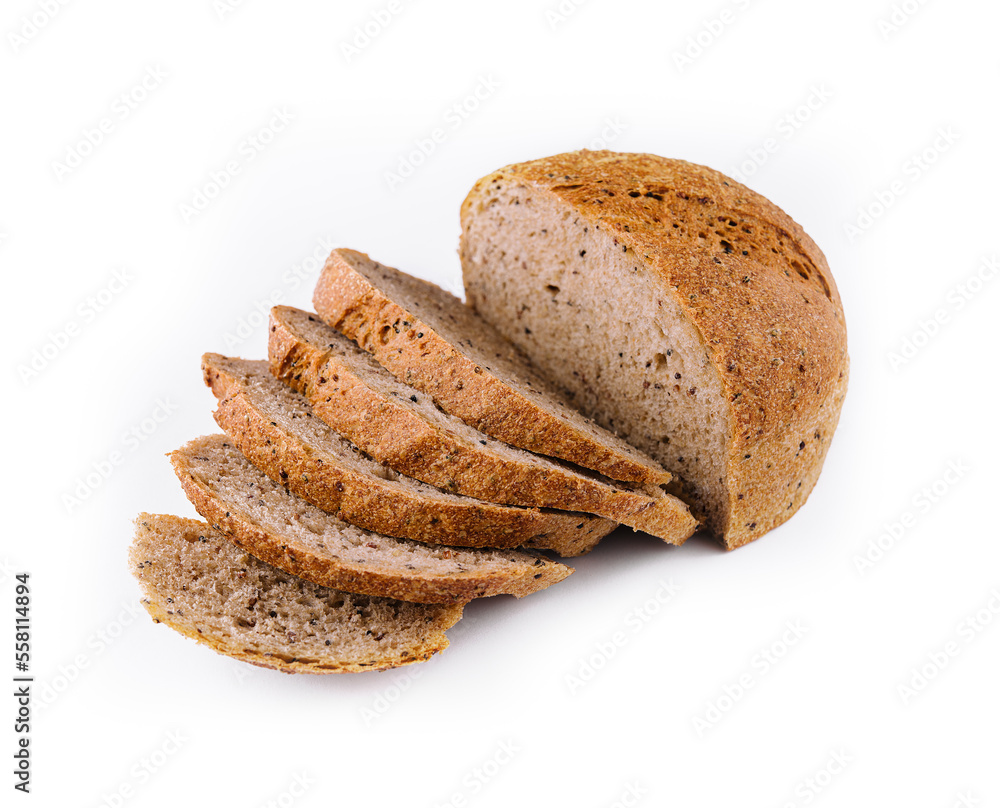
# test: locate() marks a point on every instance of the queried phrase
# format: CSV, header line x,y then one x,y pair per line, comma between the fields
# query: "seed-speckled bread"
x,y
208,589
401,427
274,428
678,308
282,529
430,340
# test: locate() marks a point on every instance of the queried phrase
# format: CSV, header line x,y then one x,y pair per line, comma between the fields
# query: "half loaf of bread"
x,y
676,307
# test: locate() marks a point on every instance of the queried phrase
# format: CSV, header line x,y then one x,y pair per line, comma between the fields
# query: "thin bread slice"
x,y
402,428
429,339
274,428
278,527
201,585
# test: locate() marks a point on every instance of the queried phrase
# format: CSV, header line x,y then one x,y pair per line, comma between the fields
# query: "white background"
x,y
823,722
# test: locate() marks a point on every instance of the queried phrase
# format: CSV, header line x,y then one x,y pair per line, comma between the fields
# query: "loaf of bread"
x,y
206,588
675,307
641,335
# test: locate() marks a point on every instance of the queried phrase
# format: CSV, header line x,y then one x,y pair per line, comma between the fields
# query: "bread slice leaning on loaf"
x,y
201,585
676,307
428,339
278,527
275,429
401,427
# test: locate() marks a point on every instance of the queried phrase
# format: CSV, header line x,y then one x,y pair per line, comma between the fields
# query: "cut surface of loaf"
x,y
429,339
401,427
676,307
201,585
275,429
284,530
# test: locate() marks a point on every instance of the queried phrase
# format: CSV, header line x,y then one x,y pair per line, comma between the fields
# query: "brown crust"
x,y
402,440
419,356
375,504
773,321
433,642
297,559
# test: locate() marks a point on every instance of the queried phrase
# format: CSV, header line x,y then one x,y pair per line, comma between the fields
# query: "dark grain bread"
x,y
402,428
274,428
210,590
676,307
431,341
278,527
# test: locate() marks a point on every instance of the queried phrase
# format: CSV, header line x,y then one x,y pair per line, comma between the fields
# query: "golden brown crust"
x,y
755,285
300,560
419,356
402,440
378,505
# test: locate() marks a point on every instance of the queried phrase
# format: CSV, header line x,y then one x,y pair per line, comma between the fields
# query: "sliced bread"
x,y
274,428
284,530
429,339
402,428
677,307
201,585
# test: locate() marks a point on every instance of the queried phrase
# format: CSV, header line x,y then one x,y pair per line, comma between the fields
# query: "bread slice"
x,y
430,340
274,428
677,307
206,588
280,528
402,428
